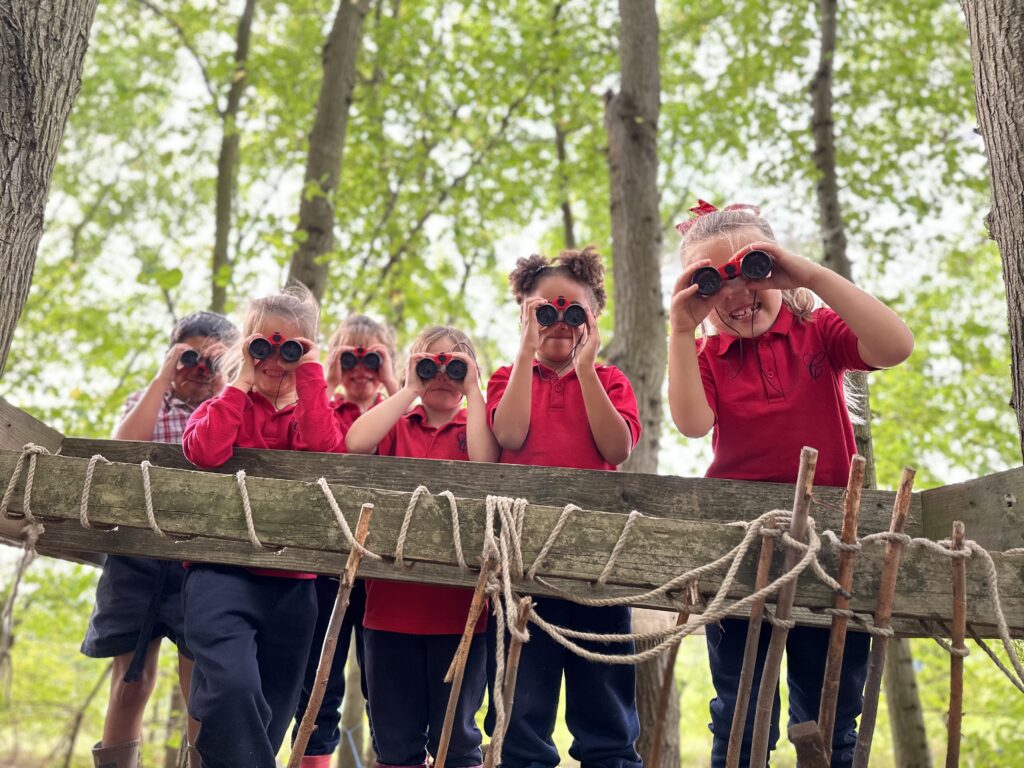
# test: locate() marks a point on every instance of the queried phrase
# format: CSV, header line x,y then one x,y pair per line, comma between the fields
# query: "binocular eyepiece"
x,y
571,313
191,358
350,360
289,349
755,265
452,367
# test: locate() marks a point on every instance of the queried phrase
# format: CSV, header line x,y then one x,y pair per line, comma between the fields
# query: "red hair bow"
x,y
703,208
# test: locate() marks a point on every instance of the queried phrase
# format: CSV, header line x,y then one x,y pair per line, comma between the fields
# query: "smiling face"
x,y
744,310
272,380
558,341
440,394
192,384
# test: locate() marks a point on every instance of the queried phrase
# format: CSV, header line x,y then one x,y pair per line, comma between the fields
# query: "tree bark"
x,y
996,29
42,48
227,165
631,121
906,716
326,145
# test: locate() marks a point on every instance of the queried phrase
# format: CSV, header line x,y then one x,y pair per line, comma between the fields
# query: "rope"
x,y
421,490
630,522
83,509
343,523
456,532
250,527
148,489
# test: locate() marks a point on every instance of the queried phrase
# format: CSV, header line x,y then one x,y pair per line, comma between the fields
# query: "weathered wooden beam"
x,y
686,498
18,428
991,508
296,515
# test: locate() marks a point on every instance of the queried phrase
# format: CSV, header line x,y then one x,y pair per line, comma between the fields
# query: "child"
x,y
250,629
411,631
138,600
557,407
768,377
353,368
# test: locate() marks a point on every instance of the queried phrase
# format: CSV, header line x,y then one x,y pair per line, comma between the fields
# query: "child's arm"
x,y
611,432
481,441
687,400
387,369
512,416
317,428
369,429
138,424
883,340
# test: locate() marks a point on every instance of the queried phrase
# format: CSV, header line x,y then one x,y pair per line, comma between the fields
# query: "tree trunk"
x,y
631,121
326,145
42,47
227,165
996,29
175,725
906,716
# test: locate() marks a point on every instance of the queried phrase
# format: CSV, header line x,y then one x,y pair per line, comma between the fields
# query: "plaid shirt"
x,y
171,419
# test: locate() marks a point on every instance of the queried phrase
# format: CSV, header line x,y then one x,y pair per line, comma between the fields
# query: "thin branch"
x,y
183,36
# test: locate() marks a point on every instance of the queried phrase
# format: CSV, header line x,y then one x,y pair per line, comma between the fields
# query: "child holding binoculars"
x,y
767,377
556,406
138,600
411,631
360,365
250,628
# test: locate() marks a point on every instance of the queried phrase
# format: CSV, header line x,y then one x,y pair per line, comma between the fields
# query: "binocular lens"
x,y
756,265
426,369
456,369
291,351
547,315
348,361
372,361
260,349
707,280
575,315
189,358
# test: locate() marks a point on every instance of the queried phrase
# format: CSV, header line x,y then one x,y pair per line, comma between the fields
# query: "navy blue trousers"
x,y
600,699
806,650
326,737
250,635
408,697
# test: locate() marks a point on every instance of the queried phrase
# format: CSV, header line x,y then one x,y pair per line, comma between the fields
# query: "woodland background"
x,y
474,132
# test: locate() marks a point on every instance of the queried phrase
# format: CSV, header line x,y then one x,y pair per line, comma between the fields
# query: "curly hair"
x,y
581,266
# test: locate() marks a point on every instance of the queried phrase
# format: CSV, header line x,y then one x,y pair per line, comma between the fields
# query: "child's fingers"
x,y
686,276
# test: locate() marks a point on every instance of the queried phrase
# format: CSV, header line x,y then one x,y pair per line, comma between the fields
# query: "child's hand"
x,y
529,341
413,383
386,373
333,374
789,270
471,382
688,309
586,355
311,354
171,363
246,377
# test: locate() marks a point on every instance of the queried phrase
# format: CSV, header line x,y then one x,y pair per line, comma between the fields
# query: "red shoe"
x,y
315,761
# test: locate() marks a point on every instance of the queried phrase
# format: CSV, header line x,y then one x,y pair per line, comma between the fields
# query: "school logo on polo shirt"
x,y
815,364
461,438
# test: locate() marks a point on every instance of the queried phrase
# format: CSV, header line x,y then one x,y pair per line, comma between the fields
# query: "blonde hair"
x,y
294,303
799,301
434,333
363,331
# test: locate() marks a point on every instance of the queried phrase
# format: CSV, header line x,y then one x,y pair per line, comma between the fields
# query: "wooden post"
x,y
316,696
837,639
811,751
668,678
883,616
458,666
511,669
956,663
739,715
783,609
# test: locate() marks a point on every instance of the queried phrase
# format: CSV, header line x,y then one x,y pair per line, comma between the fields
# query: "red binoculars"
x,y
452,367
350,360
289,349
206,366
754,265
571,313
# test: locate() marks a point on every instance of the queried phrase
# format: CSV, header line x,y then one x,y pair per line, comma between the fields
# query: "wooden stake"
x,y
783,609
668,679
956,663
809,745
739,715
457,669
837,639
316,696
511,669
883,616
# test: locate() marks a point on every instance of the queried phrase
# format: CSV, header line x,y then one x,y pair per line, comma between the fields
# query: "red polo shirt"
x,y
560,433
421,609
235,419
346,413
779,392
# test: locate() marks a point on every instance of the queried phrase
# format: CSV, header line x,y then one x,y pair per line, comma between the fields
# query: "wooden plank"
x,y
18,428
295,514
657,495
991,507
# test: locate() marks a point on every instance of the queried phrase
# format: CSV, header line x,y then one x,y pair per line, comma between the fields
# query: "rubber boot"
x,y
124,755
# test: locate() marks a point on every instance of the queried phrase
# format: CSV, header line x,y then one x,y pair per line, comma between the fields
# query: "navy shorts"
x,y
136,593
